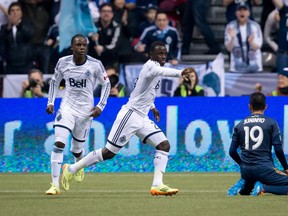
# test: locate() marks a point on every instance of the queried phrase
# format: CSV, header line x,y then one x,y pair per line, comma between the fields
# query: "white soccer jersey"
x,y
79,85
142,97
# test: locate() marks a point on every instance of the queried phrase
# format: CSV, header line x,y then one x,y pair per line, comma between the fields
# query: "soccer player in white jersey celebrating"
x,y
77,110
133,119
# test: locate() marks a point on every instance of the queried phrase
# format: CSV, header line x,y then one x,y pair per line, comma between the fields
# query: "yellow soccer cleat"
x,y
53,190
163,190
79,176
66,177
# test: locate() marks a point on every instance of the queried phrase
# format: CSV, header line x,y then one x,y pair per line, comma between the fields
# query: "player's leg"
x,y
70,170
150,133
243,186
236,188
78,153
160,162
61,136
64,124
79,136
122,130
271,180
249,185
277,190
258,189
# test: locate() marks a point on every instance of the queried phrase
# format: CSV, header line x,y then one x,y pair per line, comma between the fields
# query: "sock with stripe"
x,y
56,162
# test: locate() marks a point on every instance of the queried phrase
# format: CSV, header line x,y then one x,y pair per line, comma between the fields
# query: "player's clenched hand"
x,y
156,114
50,109
186,73
96,111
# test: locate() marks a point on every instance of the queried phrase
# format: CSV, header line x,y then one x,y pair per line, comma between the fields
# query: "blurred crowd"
x,y
30,34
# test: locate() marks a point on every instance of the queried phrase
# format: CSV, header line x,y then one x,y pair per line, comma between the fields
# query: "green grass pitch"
x,y
123,194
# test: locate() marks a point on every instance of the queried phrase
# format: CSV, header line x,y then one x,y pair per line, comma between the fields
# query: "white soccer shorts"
x,y
129,123
79,127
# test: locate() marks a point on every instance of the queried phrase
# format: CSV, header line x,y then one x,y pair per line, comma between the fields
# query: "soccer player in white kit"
x,y
77,110
133,119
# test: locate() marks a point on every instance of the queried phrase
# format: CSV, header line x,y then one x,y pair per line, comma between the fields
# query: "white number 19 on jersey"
x,y
251,135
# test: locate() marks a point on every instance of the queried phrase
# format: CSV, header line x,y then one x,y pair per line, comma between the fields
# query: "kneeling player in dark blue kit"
x,y
255,135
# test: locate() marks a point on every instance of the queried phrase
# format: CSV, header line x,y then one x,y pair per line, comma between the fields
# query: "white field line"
x,y
111,191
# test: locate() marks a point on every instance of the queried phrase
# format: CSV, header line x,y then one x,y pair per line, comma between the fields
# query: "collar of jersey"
x,y
82,63
155,62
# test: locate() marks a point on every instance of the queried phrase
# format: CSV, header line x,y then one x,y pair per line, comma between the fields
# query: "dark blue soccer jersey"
x,y
255,135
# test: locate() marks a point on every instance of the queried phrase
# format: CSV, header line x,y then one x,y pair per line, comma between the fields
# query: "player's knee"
x,y
77,154
163,146
60,145
57,153
107,154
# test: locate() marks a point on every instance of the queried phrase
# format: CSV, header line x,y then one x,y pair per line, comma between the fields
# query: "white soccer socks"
x,y
93,157
56,162
160,163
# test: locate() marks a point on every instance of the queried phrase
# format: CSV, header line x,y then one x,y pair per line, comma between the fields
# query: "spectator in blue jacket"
x,y
161,31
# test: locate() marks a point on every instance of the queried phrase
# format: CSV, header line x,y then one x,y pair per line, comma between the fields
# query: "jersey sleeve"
x,y
277,143
234,146
105,89
54,84
165,71
276,136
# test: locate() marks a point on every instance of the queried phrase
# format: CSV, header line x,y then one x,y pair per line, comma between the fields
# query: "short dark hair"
x,y
258,101
75,36
154,44
105,5
112,67
14,4
159,11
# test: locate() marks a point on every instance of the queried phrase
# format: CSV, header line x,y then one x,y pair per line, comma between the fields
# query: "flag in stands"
x,y
75,18
212,77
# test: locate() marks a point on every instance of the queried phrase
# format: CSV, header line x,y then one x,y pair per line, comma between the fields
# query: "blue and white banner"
x,y
212,77
199,130
75,18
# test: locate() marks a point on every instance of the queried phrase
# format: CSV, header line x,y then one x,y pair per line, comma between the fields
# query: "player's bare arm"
x,y
50,109
156,114
96,111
